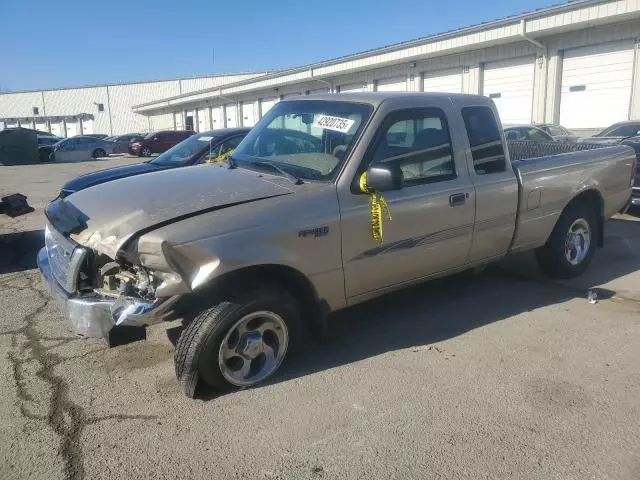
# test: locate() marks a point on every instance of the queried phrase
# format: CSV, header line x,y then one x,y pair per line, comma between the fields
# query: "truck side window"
x,y
419,142
485,140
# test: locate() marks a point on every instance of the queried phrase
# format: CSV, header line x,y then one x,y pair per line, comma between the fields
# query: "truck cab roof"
x,y
376,98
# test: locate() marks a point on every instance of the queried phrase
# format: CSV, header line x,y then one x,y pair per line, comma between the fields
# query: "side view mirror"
x,y
381,178
155,138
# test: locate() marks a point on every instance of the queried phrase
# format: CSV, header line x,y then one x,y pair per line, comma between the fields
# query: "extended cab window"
x,y
418,142
484,139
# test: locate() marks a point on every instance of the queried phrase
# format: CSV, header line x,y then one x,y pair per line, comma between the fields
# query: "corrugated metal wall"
x,y
117,100
542,104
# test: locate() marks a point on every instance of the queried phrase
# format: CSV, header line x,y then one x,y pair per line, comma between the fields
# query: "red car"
x,y
158,142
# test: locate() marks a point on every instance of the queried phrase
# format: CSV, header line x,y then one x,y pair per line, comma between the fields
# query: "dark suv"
x,y
158,142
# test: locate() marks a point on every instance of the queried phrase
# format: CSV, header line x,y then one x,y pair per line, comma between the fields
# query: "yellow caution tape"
x,y
220,158
377,205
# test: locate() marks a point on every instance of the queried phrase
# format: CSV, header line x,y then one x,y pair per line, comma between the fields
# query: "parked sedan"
x,y
158,142
615,133
527,132
98,135
121,143
76,149
200,148
558,132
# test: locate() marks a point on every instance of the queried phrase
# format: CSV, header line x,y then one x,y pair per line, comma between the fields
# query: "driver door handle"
x,y
458,199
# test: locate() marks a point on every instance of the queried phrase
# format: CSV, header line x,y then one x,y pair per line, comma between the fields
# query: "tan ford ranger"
x,y
329,201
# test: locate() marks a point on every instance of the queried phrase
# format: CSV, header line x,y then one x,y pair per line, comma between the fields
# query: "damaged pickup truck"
x,y
329,201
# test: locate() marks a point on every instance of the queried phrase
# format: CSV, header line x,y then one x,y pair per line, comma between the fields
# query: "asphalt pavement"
x,y
503,375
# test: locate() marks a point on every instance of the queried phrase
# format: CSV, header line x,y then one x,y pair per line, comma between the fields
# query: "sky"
x,y
49,44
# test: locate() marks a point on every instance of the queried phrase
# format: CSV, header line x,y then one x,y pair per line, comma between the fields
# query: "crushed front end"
x,y
97,293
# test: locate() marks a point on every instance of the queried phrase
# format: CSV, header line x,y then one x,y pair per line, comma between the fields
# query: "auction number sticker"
x,y
337,124
205,139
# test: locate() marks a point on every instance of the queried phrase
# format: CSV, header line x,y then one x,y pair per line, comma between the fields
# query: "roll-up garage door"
x,y
395,84
232,116
179,119
72,128
596,85
353,87
42,127
266,104
26,124
510,84
203,120
248,114
449,81
56,129
87,127
216,118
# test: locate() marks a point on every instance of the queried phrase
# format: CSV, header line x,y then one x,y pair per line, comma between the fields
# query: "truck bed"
x,y
548,182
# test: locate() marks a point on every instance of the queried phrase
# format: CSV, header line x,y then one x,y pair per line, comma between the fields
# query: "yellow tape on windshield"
x,y
377,206
220,158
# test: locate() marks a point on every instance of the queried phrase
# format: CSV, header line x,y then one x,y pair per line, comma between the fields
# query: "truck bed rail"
x,y
526,149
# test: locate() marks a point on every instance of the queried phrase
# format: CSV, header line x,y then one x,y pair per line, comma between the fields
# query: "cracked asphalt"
x,y
504,375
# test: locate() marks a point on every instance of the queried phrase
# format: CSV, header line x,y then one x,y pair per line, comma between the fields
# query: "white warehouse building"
x,y
577,64
97,109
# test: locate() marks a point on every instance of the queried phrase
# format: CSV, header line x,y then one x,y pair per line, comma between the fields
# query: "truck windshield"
x,y
306,138
185,151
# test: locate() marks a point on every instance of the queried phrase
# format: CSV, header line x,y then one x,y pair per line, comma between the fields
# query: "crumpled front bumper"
x,y
94,316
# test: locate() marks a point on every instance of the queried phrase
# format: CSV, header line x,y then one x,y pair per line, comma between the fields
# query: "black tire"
x,y
146,152
552,258
196,355
99,152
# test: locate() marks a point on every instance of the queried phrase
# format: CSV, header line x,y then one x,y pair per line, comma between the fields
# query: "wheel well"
x,y
593,199
287,278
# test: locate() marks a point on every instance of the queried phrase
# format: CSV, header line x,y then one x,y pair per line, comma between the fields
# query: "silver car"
x,y
77,149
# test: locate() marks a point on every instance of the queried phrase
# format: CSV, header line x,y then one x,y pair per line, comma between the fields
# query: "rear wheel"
x,y
571,245
146,152
239,342
99,153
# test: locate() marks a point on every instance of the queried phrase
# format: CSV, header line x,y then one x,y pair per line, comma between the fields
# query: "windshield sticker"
x,y
333,123
205,139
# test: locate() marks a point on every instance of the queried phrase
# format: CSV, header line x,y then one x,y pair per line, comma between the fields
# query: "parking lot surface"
x,y
503,375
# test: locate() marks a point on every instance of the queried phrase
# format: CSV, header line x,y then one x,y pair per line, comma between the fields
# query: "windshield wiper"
x,y
290,176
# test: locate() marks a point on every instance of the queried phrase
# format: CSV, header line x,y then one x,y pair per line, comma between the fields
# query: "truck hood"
x,y
104,217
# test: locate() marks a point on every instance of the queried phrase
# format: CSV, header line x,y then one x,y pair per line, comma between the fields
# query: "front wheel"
x,y
571,245
239,342
146,152
98,153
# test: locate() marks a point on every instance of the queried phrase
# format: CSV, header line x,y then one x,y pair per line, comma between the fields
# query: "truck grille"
x,y
65,258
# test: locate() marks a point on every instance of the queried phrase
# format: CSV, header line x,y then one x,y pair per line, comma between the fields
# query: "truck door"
x,y
432,214
495,183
